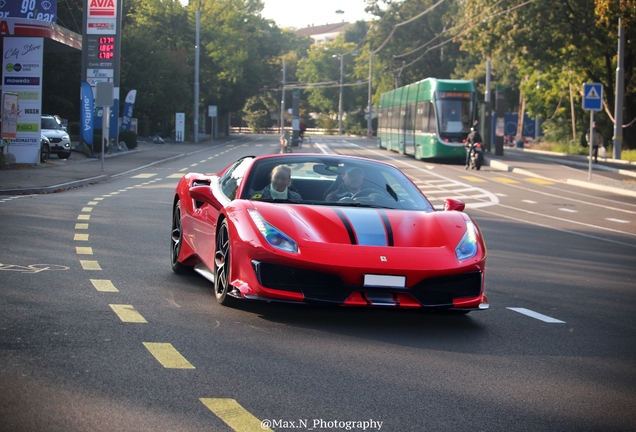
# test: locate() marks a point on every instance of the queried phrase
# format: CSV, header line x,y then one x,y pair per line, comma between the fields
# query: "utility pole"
x,y
370,106
196,76
620,89
487,99
340,98
281,122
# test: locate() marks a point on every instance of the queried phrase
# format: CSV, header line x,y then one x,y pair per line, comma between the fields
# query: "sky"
x,y
303,13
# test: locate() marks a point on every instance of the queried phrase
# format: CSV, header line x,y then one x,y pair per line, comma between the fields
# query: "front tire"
x,y
176,241
45,152
222,256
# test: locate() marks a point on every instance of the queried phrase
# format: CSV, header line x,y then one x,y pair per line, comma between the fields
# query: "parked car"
x,y
60,141
45,149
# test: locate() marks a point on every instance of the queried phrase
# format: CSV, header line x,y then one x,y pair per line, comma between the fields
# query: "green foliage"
x,y
257,112
328,123
129,137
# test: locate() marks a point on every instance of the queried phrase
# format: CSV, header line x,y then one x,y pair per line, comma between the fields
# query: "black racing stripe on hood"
x,y
387,226
347,224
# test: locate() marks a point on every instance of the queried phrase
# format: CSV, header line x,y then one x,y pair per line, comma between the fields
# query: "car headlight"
x,y
273,235
467,247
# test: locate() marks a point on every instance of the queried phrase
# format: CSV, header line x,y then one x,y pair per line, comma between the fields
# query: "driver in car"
x,y
351,184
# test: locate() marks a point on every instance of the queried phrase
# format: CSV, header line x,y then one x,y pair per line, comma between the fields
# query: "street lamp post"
x,y
353,53
340,98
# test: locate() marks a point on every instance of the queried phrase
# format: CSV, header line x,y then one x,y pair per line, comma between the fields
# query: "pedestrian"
x,y
598,141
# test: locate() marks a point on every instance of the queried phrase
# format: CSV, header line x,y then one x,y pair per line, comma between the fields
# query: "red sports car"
x,y
314,228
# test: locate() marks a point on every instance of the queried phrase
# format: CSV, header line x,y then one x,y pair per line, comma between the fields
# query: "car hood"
x,y
54,133
364,226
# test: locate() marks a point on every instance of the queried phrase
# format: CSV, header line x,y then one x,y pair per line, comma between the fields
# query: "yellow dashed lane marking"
x,y
539,181
98,199
92,203
81,226
104,285
90,265
175,176
84,250
194,164
233,414
83,217
87,209
80,237
129,187
114,193
127,313
121,190
167,355
183,169
506,180
201,161
144,175
473,179
211,157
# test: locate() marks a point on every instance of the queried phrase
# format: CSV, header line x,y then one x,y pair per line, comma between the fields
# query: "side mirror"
x,y
451,204
204,194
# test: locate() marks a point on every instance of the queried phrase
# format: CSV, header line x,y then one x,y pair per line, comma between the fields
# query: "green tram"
x,y
427,119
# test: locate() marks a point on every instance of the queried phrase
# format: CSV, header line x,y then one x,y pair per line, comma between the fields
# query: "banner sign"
x,y
22,74
129,105
10,111
87,113
43,10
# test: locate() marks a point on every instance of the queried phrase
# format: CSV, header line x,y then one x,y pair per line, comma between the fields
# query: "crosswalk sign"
x,y
593,97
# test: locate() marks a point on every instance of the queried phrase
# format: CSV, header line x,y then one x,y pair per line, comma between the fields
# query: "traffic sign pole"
x,y
592,101
591,132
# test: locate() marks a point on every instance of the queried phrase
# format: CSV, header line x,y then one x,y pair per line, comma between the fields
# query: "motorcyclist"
x,y
472,139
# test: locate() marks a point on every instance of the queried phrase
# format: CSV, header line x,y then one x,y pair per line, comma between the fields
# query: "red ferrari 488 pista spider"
x,y
334,229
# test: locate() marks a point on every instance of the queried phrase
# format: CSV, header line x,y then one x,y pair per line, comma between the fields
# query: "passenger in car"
x,y
351,184
279,186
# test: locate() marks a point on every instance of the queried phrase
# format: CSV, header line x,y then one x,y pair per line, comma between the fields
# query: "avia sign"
x,y
102,8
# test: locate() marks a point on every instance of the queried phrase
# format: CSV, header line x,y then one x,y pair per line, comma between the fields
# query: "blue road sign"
x,y
593,97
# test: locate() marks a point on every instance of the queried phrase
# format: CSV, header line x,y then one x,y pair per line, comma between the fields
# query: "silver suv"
x,y
59,138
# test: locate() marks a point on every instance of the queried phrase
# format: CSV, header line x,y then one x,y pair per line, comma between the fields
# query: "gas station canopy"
x,y
56,38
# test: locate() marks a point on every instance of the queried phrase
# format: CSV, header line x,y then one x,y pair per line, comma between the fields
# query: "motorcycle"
x,y
477,157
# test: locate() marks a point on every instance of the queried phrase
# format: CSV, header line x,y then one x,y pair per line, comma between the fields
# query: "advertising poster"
x,y
129,105
22,74
43,10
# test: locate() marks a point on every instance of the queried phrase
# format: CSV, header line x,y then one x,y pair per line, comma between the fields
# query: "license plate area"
x,y
383,281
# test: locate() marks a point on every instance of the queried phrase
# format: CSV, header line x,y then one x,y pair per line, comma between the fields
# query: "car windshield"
x,y
333,181
50,123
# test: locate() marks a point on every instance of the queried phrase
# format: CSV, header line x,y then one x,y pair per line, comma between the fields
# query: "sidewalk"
x,y
61,174
617,177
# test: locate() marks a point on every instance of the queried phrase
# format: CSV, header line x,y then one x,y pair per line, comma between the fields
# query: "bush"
x,y
129,137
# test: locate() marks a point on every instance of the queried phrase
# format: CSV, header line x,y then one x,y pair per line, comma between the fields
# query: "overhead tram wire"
x,y
460,33
447,31
395,27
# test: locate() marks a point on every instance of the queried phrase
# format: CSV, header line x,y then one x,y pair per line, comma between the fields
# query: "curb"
x,y
602,188
92,180
501,166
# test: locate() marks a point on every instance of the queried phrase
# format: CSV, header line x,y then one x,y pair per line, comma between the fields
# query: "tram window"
x,y
396,118
422,113
432,124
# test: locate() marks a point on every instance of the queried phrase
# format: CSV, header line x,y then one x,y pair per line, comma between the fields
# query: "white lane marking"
x,y
568,210
320,147
501,195
568,220
557,229
617,220
536,315
528,201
